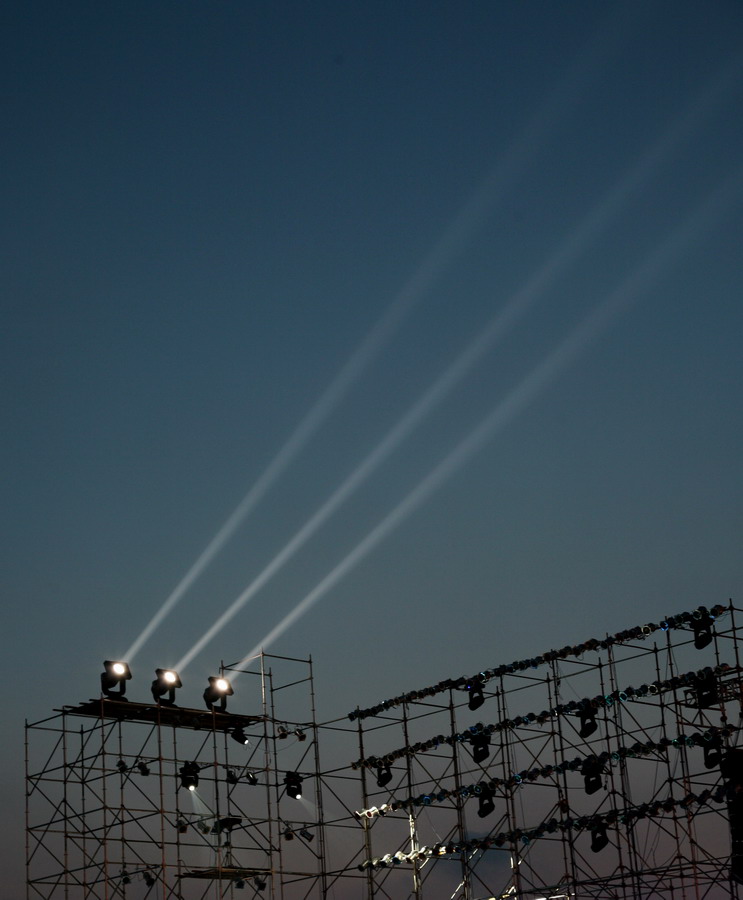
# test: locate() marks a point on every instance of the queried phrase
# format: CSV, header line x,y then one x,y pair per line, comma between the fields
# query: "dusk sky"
x,y
209,209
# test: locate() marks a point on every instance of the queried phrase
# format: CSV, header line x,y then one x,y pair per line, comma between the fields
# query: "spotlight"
x,y
237,734
300,735
307,835
485,803
588,723
166,682
599,838
293,783
226,824
182,825
190,775
474,689
239,884
702,628
125,879
217,692
231,777
144,769
282,732
115,675
288,834
384,775
260,884
122,766
251,779
149,880
480,747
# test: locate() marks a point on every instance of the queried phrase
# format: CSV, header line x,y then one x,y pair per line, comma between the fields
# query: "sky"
x,y
226,221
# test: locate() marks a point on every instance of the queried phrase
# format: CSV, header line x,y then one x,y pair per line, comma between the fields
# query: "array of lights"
x,y
591,767
597,824
116,673
703,681
700,621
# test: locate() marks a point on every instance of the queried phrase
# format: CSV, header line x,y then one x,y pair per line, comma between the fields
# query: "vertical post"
x,y
411,817
459,803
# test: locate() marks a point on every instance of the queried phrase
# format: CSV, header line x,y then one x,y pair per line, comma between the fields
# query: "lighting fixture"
x,y
300,734
474,689
599,838
231,777
217,692
125,879
182,825
122,766
384,775
115,675
282,732
480,747
226,824
260,884
190,775
251,778
293,783
239,884
485,802
288,834
166,682
149,879
237,734
144,769
307,835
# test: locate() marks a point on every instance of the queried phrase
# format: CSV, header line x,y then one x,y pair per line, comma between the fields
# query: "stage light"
x,y
122,766
144,769
282,732
260,884
166,682
300,735
239,884
217,692
592,770
125,879
288,834
474,689
293,783
227,823
384,775
485,803
189,772
480,747
149,880
231,777
237,734
588,722
115,674
182,825
307,835
251,779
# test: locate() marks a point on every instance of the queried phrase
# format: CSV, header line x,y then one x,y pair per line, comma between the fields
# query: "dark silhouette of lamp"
x,y
217,692
166,682
115,675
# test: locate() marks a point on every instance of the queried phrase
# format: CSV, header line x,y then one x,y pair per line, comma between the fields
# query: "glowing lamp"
x,y
293,783
217,692
115,675
166,682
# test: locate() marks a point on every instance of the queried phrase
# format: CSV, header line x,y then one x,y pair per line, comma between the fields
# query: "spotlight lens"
x,y
222,684
192,787
170,677
119,668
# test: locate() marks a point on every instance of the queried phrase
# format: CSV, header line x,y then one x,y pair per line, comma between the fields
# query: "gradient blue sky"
x,y
207,207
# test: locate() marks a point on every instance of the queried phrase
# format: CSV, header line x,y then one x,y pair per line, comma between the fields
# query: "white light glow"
x,y
222,684
119,668
170,677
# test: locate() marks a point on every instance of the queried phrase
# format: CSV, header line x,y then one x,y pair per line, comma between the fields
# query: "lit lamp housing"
x,y
293,783
166,682
189,772
116,675
217,693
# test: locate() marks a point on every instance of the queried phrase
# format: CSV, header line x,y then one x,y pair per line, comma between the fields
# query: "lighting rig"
x,y
217,692
700,622
701,684
166,682
115,675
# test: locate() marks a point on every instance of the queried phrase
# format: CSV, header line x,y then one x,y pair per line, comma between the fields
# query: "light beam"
x,y
595,324
516,306
499,180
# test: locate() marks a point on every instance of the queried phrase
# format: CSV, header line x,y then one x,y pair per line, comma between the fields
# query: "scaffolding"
x,y
128,799
607,769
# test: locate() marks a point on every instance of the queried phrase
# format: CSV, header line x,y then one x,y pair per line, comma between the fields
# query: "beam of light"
x,y
499,180
539,379
517,305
